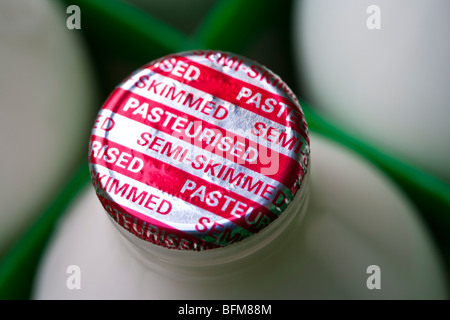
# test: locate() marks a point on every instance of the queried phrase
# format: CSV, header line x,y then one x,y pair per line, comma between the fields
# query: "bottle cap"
x,y
199,150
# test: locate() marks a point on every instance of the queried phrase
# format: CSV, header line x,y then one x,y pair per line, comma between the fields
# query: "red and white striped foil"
x,y
198,150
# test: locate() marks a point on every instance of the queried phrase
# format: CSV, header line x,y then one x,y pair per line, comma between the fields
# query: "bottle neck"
x,y
274,234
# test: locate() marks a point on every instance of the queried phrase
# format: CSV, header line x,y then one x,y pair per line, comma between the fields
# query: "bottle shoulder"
x,y
356,218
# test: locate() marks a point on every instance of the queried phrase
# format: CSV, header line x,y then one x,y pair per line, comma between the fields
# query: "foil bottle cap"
x,y
199,150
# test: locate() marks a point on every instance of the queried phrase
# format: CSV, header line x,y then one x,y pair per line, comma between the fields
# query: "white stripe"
x,y
127,132
239,121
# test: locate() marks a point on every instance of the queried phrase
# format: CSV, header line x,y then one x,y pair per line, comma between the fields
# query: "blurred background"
x,y
371,75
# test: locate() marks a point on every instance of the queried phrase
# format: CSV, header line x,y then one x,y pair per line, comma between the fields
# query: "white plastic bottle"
x,y
381,70
318,229
47,98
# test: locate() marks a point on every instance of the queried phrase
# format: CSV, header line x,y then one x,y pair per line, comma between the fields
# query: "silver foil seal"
x,y
199,150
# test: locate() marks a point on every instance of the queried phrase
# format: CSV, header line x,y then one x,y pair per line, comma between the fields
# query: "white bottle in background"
x,y
47,98
381,70
348,233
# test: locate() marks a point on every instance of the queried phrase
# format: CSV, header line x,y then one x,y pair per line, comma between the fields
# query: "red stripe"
x,y
287,169
227,88
171,180
152,230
